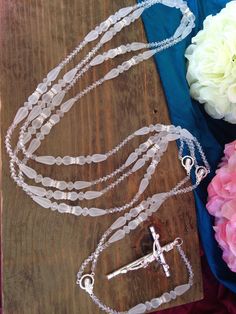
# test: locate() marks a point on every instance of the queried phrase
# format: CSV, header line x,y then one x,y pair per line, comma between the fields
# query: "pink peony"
x,y
214,205
229,209
220,233
222,204
224,183
225,234
231,235
230,149
232,163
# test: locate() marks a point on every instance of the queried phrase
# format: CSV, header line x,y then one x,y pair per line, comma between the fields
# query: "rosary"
x,y
47,105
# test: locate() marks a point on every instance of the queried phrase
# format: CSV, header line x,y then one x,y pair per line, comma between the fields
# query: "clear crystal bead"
x,y
138,309
47,160
21,114
37,190
118,235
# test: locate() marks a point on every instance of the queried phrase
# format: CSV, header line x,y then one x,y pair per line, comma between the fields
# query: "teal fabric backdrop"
x,y
161,22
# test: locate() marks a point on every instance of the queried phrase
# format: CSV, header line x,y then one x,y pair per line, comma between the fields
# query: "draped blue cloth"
x,y
160,22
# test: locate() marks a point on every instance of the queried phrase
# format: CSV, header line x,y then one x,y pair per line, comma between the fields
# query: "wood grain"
x,y
42,250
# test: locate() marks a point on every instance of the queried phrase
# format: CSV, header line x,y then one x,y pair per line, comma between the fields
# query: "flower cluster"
x,y
222,205
211,72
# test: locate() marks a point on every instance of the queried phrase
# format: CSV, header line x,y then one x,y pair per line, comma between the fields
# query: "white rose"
x,y
211,72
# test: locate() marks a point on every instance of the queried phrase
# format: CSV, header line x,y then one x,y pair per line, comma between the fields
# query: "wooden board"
x,y
42,250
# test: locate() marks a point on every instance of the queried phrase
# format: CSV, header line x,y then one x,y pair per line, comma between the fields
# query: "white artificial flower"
x,y
211,72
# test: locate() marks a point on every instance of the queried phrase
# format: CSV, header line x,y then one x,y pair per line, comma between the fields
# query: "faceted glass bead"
x,y
111,53
70,185
91,36
47,160
151,169
148,306
34,113
66,106
118,223
137,13
68,77
148,54
172,294
21,114
37,190
96,212
33,98
143,216
34,145
28,171
56,88
81,185
179,290
56,101
32,130
62,185
98,157
52,75
105,25
82,160
133,224
156,302
166,297
42,88
118,235
138,309
46,181
38,178
37,123
112,74
132,158
77,210
118,26
135,211
97,60
42,201
92,194
63,208
27,137
55,118
72,196
66,160
106,37
143,185
45,129
58,161
137,46
124,11
139,164
47,97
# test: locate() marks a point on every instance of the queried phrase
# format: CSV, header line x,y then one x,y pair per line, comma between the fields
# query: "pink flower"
x,y
228,209
230,149
222,204
220,233
232,162
214,205
224,183
231,235
226,237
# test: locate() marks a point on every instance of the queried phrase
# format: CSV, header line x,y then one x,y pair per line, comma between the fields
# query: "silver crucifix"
x,y
155,255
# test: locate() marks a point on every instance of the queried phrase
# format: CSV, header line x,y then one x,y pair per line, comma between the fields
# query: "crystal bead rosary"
x,y
40,119
47,105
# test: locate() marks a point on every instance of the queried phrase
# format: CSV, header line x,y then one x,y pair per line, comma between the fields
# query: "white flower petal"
x,y
231,92
211,66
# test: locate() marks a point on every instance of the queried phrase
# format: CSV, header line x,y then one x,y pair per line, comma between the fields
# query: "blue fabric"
x,y
160,22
